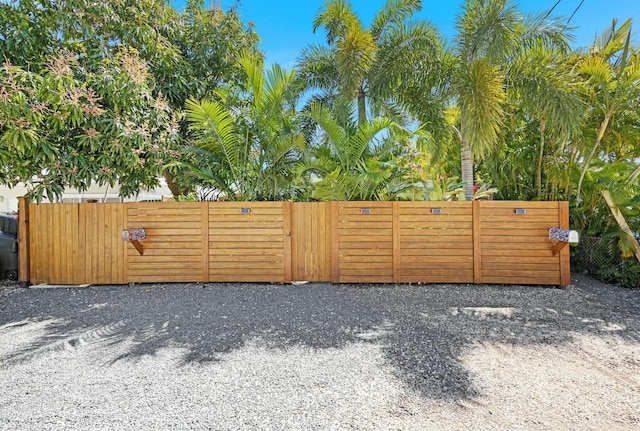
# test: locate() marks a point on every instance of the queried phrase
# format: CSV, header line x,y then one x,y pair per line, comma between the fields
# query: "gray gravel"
x,y
320,357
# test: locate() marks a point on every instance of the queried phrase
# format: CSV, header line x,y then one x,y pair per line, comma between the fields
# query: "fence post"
x,y
23,242
477,243
396,241
286,222
565,265
335,242
204,209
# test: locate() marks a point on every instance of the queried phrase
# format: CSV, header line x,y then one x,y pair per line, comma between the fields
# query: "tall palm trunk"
x,y
467,170
362,106
587,161
466,162
540,159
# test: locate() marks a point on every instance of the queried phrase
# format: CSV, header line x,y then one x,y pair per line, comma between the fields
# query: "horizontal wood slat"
x,y
516,246
171,249
436,246
365,229
247,240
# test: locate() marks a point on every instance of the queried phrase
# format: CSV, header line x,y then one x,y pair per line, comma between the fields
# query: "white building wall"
x,y
9,196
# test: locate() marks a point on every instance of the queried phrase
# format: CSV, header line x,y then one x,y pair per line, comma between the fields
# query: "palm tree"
x,y
545,88
491,33
351,161
612,74
395,62
249,144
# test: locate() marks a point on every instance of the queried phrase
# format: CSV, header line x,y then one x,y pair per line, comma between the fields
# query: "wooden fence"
x,y
502,242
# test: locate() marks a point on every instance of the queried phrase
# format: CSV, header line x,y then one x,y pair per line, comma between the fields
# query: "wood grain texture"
x,y
516,247
250,241
311,241
355,243
347,242
436,242
171,249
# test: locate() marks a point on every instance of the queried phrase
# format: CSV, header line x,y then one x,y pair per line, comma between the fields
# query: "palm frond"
x,y
545,86
487,29
613,39
409,58
316,68
541,30
336,16
357,146
481,96
215,130
254,68
354,57
328,124
393,13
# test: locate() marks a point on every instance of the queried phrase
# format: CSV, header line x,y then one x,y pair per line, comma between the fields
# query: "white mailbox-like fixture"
x,y
564,237
135,235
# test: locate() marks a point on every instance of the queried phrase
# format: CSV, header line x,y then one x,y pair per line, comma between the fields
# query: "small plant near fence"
x,y
600,257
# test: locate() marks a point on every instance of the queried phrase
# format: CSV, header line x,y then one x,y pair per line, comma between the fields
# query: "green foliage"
x,y
377,65
351,161
65,127
248,144
611,74
593,217
627,274
140,61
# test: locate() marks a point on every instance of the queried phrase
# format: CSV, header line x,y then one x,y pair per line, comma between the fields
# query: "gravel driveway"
x,y
320,357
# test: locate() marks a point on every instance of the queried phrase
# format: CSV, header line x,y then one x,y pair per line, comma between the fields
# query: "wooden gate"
x,y
311,241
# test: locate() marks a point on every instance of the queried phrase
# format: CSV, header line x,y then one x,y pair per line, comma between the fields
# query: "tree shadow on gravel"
x,y
423,330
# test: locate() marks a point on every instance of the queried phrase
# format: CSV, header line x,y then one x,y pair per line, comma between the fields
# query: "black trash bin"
x,y
9,247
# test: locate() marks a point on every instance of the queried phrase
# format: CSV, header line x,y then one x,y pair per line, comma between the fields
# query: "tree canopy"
x,y
94,91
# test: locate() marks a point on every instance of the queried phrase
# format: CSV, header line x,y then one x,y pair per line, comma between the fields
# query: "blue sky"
x,y
285,27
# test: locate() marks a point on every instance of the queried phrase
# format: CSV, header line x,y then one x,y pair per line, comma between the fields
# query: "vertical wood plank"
x,y
477,243
125,257
335,242
286,222
295,254
114,276
35,238
72,253
88,242
82,251
565,265
100,253
57,246
48,268
312,248
113,245
63,229
396,241
122,274
204,218
36,232
325,219
310,241
23,242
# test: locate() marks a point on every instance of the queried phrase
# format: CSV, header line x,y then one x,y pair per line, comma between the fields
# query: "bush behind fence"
x,y
601,258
